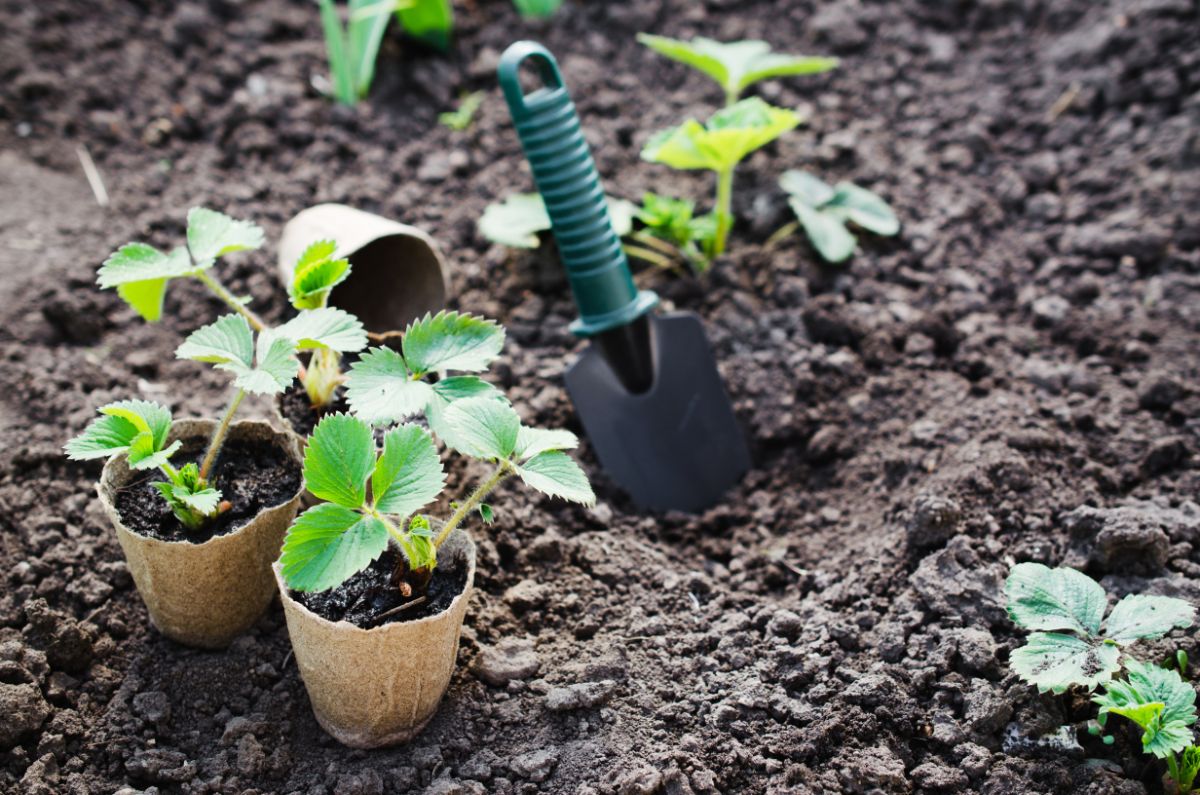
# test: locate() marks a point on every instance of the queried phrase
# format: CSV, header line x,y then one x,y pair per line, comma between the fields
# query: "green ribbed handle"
x,y
565,175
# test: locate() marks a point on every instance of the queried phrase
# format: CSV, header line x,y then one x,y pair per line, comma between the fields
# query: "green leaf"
x,y
735,65
226,340
826,232
806,187
275,369
338,460
556,473
204,501
418,544
381,390
724,140
461,117
1049,599
483,427
621,213
325,327
143,454
1054,661
211,234
140,273
537,9
368,21
145,415
451,341
448,390
1140,616
137,426
409,473
1153,683
328,544
341,68
315,274
1156,699
532,441
516,221
1144,715
429,20
102,438
486,513
864,208
1189,768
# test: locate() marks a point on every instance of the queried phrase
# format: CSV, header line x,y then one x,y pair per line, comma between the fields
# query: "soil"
x,y
1013,377
368,598
298,412
251,475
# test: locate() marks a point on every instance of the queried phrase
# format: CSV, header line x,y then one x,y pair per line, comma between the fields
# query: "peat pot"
x,y
205,594
371,688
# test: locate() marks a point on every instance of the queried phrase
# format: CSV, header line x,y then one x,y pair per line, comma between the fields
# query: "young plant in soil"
x,y
460,118
824,211
353,48
1072,644
719,145
374,500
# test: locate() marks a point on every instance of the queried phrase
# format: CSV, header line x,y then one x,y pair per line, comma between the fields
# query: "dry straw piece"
x,y
371,688
206,594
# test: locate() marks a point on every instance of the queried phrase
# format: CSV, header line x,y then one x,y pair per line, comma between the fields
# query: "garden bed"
x,y
948,403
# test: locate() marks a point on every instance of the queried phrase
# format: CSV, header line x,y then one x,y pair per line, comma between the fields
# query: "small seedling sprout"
x,y
824,212
353,48
461,117
537,9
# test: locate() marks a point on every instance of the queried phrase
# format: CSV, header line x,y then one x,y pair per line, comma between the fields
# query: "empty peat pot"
x,y
376,687
205,594
397,271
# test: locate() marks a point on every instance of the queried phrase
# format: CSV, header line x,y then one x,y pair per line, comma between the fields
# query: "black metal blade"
x,y
675,446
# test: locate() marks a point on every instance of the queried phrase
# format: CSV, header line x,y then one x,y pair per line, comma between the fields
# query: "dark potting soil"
x,y
368,598
1013,377
296,409
251,475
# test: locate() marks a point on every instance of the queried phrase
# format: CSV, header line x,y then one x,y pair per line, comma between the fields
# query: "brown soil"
x,y
298,411
251,475
1014,377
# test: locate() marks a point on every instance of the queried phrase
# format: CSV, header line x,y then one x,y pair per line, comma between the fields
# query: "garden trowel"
x,y
647,387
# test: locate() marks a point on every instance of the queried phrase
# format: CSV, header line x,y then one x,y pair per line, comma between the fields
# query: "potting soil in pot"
x,y
368,598
251,475
298,411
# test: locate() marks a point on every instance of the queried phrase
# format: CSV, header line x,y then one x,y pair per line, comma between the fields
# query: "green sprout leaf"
x,y
451,341
555,473
148,417
211,234
486,513
316,273
228,343
533,441
724,140
809,189
429,20
521,217
1054,661
1187,769
325,328
483,427
736,65
381,390
461,117
823,211
329,543
418,544
339,459
1140,616
448,390
141,272
139,427
827,233
145,454
863,208
1050,599
409,473
537,9
1158,701
226,340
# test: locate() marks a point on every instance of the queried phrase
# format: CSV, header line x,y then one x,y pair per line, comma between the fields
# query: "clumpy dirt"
x,y
251,475
369,598
1012,378
297,410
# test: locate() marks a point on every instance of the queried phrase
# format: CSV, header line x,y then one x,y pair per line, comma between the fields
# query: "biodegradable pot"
x,y
398,273
371,688
205,594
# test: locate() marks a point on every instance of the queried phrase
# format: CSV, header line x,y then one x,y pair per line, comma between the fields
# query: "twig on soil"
x,y
402,608
1064,101
93,175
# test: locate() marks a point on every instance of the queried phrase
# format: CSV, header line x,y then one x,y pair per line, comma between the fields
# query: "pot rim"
x,y
284,439
342,625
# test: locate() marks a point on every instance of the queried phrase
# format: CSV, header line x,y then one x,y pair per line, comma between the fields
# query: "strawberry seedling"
x,y
824,212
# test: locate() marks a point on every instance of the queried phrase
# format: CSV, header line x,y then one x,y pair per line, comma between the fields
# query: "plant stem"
x,y
477,496
171,472
229,298
731,95
654,258
785,231
218,437
724,209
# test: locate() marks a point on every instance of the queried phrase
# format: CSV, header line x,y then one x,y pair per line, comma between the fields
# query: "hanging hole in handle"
x,y
527,71
537,73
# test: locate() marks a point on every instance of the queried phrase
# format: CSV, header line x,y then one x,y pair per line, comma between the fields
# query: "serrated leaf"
x,y
204,501
138,262
145,415
227,339
1141,616
1143,715
102,438
1054,661
380,388
483,427
516,221
275,366
1158,700
556,473
1050,599
418,544
326,327
827,233
724,140
328,544
211,234
409,473
864,208
315,274
339,459
806,187
736,65
146,297
451,341
532,441
1189,768
1154,683
143,454
448,390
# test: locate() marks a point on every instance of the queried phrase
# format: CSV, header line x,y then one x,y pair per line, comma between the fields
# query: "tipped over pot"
x,y
376,687
206,593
